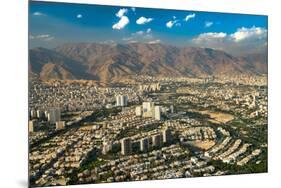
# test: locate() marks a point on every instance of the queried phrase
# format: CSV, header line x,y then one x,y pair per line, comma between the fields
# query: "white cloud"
x,y
249,33
79,16
124,20
190,16
121,12
241,41
38,14
148,30
154,41
45,37
204,37
143,20
208,24
133,9
171,23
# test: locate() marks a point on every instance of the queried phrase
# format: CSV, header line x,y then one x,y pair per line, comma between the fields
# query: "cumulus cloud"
x,y
171,23
143,20
121,12
207,37
148,30
45,37
249,33
79,16
133,9
190,16
124,20
208,24
243,39
38,14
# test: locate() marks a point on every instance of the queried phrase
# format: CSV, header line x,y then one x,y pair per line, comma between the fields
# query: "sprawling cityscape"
x,y
156,128
120,94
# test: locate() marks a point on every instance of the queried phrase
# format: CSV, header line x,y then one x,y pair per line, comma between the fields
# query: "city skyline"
x,y
120,94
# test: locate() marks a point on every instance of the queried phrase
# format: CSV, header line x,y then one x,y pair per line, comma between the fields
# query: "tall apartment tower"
x,y
157,113
138,111
157,140
106,147
144,144
126,146
148,109
54,115
31,125
167,135
121,100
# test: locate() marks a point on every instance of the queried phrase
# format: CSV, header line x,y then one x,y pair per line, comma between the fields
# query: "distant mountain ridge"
x,y
112,62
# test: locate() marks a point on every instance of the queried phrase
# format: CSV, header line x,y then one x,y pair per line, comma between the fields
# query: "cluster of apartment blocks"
x,y
147,143
168,162
53,116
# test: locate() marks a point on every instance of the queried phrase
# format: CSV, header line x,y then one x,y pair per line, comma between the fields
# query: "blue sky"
x,y
52,24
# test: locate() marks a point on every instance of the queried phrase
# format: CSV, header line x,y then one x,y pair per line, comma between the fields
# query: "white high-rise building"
x,y
147,106
126,146
54,115
157,140
33,114
138,111
144,144
31,125
148,109
167,135
39,114
107,146
157,113
121,100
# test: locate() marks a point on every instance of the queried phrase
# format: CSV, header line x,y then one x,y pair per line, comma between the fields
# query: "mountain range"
x,y
112,62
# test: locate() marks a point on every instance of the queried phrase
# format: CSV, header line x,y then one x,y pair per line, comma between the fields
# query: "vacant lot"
x,y
203,144
218,117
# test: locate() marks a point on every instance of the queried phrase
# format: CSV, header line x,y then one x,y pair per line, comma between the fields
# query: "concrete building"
x,y
126,146
54,115
138,111
31,125
121,100
148,109
167,135
144,144
172,109
33,113
157,113
60,125
39,114
106,147
157,140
